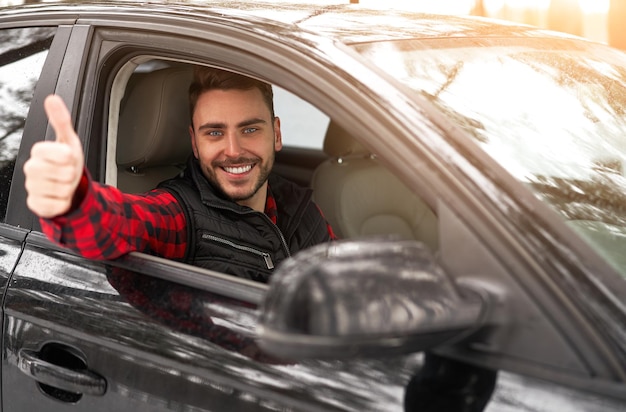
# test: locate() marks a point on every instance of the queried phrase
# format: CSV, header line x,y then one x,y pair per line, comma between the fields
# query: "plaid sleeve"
x,y
105,223
329,228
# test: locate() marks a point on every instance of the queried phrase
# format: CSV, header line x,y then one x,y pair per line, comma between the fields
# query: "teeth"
x,y
238,170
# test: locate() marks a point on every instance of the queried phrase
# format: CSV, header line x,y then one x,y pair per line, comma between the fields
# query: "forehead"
x,y
231,103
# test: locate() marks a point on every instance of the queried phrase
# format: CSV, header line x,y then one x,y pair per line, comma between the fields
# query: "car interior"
x,y
153,138
358,196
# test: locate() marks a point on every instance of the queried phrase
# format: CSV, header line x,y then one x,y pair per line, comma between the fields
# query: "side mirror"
x,y
363,298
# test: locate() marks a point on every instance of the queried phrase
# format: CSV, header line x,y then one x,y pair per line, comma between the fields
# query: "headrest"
x,y
154,119
339,143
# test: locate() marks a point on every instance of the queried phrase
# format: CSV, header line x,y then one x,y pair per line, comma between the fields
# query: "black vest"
x,y
226,237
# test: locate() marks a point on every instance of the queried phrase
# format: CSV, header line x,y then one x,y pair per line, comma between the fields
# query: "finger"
x,y
52,152
60,120
50,189
38,170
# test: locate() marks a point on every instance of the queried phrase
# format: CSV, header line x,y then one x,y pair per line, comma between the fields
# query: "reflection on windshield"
x,y
552,113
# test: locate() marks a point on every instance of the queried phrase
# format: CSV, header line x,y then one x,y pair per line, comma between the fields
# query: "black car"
x,y
473,169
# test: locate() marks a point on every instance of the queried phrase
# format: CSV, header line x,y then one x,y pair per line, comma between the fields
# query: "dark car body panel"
x,y
145,324
128,327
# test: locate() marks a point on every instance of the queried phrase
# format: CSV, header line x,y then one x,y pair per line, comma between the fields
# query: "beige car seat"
x,y
153,135
359,197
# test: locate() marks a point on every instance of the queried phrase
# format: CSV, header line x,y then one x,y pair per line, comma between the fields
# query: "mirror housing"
x,y
365,298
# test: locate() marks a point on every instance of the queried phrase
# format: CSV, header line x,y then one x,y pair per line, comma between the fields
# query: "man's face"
x,y
234,138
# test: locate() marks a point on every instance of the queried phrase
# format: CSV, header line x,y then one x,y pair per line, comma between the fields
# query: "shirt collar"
x,y
271,210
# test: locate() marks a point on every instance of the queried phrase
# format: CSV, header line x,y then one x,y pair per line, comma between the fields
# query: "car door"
x,y
55,358
144,333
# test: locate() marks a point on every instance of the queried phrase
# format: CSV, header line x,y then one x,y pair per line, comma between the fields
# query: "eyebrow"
x,y
240,124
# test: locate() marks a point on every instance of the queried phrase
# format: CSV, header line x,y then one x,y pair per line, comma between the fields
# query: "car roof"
x,y
347,23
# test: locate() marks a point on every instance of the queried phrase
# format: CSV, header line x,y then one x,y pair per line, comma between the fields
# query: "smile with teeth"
x,y
238,169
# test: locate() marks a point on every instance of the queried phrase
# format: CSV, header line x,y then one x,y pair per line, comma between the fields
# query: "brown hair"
x,y
208,78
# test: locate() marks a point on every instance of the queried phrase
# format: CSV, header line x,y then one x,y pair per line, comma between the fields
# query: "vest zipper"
x,y
280,234
266,256
274,227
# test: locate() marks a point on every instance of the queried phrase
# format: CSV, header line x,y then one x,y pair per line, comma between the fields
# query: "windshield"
x,y
553,113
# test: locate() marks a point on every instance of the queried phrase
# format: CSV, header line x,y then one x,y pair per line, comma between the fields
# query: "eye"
x,y
214,133
249,130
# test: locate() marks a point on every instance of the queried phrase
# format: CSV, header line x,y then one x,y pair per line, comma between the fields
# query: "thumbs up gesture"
x,y
54,168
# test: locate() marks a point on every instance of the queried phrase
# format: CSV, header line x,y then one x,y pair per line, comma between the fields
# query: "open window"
x,y
149,142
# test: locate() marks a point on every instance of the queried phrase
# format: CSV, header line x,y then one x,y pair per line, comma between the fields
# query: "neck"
x,y
257,201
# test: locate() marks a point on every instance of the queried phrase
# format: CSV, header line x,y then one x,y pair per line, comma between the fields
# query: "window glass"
x,y
22,55
301,124
552,114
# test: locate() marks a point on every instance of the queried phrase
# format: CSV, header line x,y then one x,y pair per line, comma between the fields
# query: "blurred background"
x,y
598,20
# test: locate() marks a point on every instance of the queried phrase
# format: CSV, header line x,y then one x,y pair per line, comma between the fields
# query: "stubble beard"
x,y
264,172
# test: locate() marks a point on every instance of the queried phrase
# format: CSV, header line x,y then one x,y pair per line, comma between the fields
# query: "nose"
x,y
233,145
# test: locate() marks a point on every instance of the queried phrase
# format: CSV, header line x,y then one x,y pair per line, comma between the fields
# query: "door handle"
x,y
78,381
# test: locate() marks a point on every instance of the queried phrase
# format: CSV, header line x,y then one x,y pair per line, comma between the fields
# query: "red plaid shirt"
x,y
105,223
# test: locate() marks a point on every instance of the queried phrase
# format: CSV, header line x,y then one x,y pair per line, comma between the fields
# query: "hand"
x,y
54,168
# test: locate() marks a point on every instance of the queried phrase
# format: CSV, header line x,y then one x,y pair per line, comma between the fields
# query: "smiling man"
x,y
235,134
227,212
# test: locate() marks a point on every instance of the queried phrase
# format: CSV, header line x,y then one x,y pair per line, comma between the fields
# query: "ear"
x,y
194,146
278,137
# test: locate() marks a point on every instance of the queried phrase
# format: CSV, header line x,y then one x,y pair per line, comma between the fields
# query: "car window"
x,y
302,124
22,55
139,158
132,164
572,158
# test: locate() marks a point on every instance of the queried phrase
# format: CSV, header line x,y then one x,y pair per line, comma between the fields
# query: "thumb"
x,y
61,121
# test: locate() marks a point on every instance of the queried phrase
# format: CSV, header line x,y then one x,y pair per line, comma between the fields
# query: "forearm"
x,y
105,223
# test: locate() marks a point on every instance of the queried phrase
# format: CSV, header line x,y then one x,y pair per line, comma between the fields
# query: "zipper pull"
x,y
268,260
